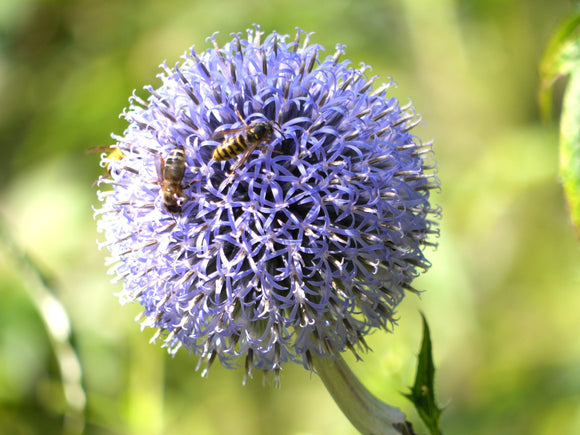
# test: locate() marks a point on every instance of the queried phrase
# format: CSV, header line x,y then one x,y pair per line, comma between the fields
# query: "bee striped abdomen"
x,y
170,173
174,169
230,148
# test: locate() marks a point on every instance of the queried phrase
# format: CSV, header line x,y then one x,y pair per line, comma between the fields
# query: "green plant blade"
x,y
562,57
422,394
570,147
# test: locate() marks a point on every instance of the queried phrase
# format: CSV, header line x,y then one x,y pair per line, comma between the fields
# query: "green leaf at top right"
x,y
562,58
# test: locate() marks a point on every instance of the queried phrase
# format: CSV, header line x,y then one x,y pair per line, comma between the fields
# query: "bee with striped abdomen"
x,y
244,141
170,173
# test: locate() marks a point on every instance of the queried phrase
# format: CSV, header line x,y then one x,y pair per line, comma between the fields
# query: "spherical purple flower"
x,y
299,236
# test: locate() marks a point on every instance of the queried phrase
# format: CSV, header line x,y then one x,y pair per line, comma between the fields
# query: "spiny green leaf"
x,y
562,57
422,394
570,147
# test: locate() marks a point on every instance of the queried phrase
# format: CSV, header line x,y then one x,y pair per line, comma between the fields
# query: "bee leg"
x,y
241,117
271,150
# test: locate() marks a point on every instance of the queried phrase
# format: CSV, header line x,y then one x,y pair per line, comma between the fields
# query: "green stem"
x,y
366,413
57,322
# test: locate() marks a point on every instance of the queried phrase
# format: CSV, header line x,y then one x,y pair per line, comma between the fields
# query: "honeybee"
x,y
170,173
244,140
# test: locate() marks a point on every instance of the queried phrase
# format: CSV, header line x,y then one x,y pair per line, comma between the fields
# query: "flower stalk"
x,y
367,413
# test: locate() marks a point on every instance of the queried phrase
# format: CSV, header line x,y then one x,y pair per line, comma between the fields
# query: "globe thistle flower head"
x,y
305,235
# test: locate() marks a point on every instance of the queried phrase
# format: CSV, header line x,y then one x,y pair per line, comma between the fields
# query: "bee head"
x,y
263,130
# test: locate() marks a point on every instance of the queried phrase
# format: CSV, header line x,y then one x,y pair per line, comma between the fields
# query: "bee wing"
x,y
159,166
244,157
228,132
113,152
99,149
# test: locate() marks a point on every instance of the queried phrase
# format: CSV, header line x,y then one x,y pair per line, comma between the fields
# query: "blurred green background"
x,y
503,294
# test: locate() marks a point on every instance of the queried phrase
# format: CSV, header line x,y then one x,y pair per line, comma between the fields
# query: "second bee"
x,y
170,173
243,141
